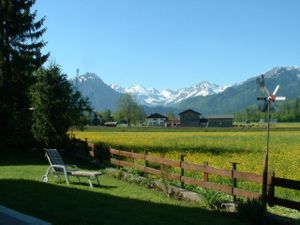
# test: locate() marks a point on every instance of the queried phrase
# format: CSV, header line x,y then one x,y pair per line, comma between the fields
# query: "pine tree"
x,y
20,56
57,107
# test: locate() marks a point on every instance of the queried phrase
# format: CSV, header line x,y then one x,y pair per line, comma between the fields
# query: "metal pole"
x,y
266,161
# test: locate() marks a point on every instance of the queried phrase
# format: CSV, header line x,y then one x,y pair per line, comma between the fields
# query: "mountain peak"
x,y
100,94
277,71
86,77
136,90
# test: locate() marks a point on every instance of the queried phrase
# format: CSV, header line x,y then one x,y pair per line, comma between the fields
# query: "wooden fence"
x,y
284,183
82,148
207,170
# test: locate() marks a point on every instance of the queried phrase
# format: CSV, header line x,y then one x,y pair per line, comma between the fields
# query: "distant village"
x,y
187,118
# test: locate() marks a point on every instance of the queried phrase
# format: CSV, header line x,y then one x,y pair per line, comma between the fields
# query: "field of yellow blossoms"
x,y
219,148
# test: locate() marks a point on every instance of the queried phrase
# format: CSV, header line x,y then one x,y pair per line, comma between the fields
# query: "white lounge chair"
x,y
59,168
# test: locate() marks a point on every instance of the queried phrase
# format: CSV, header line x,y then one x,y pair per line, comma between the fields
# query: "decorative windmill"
x,y
265,100
265,97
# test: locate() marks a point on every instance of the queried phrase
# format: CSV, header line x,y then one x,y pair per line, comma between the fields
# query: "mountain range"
x,y
239,96
168,97
203,97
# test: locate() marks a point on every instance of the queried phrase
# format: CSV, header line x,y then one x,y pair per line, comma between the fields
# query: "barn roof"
x,y
189,110
156,115
227,116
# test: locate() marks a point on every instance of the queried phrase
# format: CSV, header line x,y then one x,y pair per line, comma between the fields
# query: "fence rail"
x,y
284,183
205,169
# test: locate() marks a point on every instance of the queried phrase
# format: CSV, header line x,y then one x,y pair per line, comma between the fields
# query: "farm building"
x,y
156,119
189,118
172,123
110,124
220,120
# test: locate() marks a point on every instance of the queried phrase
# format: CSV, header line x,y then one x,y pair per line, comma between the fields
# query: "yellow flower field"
x,y
218,148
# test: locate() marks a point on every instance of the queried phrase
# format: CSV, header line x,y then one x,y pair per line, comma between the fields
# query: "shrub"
x,y
252,211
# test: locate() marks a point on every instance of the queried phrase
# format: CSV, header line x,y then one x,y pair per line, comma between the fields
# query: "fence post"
x,y
146,162
91,149
162,166
86,145
131,156
182,170
119,159
271,188
265,183
234,181
205,174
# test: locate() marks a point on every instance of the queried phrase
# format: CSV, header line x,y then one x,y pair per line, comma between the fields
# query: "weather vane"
x,y
265,100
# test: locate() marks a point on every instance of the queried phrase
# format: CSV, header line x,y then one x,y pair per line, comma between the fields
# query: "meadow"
x,y
114,202
219,147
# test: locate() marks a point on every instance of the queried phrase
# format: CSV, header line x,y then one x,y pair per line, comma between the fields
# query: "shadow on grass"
x,y
22,157
65,205
25,157
85,184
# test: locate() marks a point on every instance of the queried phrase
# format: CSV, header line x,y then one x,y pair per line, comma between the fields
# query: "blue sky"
x,y
172,43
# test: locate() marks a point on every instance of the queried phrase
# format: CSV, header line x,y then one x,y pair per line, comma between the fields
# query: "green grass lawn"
x,y
114,202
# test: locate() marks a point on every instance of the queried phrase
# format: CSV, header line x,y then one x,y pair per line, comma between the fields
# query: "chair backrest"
x,y
54,158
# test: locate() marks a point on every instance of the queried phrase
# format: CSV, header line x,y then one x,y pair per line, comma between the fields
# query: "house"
x,y
172,123
156,119
189,118
220,120
110,124
203,122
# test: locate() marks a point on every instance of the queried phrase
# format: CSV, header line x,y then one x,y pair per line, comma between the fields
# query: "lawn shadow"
x,y
22,157
66,205
37,157
86,184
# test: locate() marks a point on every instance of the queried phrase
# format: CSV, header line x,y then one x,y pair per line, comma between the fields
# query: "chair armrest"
x,y
58,167
71,166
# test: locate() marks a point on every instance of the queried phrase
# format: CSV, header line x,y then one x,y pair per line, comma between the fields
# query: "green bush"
x,y
211,198
252,211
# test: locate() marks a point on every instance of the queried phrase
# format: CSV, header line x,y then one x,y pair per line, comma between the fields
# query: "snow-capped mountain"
x,y
242,95
167,97
99,93
204,97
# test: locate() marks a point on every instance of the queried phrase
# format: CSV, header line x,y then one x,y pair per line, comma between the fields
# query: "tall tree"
x,y
107,116
171,116
297,109
20,55
56,107
129,110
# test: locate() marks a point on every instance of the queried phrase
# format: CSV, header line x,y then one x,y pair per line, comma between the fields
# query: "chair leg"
x,y
67,178
45,177
97,181
90,182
